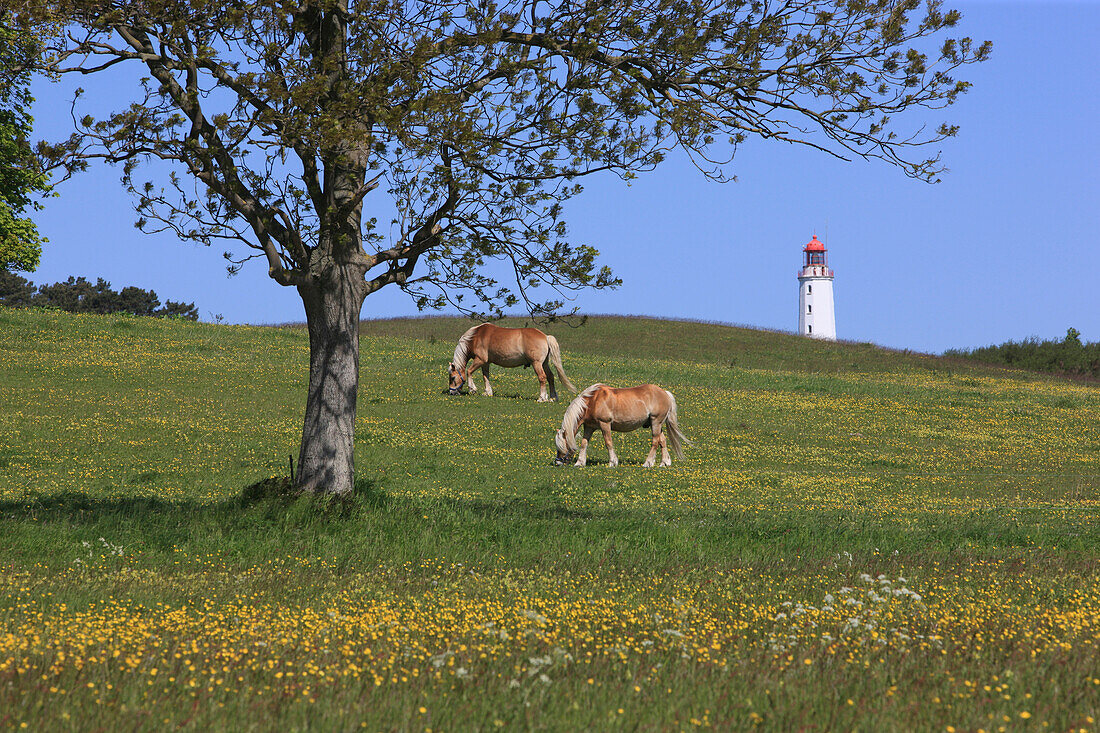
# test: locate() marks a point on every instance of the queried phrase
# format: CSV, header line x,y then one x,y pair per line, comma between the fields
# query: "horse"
x,y
488,344
622,410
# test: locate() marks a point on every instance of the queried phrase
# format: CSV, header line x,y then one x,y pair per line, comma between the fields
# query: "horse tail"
x,y
555,359
676,439
566,439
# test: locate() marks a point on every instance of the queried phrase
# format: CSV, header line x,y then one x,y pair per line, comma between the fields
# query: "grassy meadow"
x,y
858,539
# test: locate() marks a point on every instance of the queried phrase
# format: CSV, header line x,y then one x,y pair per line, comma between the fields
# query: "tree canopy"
x,y
78,295
480,119
21,179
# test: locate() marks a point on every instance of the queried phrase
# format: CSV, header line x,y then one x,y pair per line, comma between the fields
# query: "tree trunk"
x,y
326,464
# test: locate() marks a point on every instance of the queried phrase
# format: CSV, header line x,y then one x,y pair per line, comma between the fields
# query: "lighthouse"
x,y
815,293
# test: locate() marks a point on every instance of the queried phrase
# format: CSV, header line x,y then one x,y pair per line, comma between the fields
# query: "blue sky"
x,y
1002,248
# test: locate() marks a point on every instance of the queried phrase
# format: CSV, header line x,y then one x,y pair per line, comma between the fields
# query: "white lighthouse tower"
x,y
815,293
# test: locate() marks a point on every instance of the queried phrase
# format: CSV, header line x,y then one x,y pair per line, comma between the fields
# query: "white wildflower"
x,y
535,616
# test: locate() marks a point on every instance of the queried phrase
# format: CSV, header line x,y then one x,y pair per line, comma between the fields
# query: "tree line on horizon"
x,y
1069,356
78,295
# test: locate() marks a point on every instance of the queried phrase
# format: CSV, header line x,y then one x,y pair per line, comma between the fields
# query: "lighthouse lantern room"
x,y
815,293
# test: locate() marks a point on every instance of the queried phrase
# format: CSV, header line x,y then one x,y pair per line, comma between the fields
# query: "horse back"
x,y
511,346
655,398
628,407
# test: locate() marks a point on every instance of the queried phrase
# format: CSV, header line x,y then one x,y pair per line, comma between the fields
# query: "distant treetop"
x,y
77,295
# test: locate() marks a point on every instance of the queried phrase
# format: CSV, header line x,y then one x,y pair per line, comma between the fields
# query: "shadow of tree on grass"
x,y
274,499
272,493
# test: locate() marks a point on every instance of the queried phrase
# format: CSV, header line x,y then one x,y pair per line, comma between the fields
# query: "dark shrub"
x,y
1068,356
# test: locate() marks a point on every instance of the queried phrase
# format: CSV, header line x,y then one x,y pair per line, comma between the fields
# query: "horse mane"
x,y
462,350
572,418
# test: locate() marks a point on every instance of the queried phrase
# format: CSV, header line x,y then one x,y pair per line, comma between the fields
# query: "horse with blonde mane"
x,y
605,409
488,344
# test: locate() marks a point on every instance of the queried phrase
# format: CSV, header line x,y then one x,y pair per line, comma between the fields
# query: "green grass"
x,y
127,444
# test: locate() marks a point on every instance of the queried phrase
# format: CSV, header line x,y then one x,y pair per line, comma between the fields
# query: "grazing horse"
x,y
487,344
604,408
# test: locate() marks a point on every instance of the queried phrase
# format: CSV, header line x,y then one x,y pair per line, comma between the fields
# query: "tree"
x,y
480,118
77,295
172,309
21,179
137,301
16,291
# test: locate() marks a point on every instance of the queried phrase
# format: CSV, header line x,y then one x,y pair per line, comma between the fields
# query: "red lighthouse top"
x,y
815,262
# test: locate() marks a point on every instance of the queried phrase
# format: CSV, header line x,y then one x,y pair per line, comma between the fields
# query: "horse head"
x,y
456,379
565,453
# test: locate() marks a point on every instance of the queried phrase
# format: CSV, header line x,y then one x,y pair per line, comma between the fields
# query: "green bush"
x,y
1068,356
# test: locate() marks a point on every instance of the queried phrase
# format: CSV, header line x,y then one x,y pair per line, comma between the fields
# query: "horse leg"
x,y
652,457
550,380
613,459
582,457
472,366
666,459
485,373
541,374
